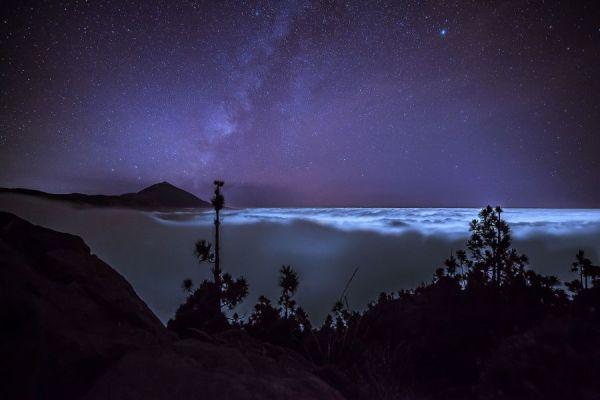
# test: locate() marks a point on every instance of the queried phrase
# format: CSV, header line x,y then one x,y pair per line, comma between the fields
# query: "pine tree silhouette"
x,y
586,270
288,282
491,259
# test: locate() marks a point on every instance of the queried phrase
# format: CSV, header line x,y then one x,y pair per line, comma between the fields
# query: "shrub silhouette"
x,y
187,285
287,325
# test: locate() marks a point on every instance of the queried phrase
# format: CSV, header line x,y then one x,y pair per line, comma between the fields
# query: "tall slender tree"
x,y
224,290
203,249
584,267
288,282
218,202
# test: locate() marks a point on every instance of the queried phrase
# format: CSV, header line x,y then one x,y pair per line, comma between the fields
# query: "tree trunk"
x,y
217,269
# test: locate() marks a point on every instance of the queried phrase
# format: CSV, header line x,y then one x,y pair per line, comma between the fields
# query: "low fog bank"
x,y
155,253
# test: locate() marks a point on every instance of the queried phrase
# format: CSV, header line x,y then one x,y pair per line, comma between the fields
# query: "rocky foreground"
x,y
73,328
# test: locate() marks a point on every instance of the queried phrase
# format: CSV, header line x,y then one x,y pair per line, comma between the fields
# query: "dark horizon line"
x,y
338,206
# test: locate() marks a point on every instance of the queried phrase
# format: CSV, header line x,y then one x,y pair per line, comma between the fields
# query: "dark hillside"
x,y
158,196
73,328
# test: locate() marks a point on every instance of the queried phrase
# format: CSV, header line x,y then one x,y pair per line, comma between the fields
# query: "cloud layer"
x,y
155,251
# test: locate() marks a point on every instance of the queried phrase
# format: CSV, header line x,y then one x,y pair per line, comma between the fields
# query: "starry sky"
x,y
306,103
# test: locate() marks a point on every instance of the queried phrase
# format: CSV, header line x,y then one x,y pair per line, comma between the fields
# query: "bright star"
x,y
443,32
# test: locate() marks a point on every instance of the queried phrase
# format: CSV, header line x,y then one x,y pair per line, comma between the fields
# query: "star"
x,y
443,32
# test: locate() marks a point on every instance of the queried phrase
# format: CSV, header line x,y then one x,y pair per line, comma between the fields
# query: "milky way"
x,y
364,103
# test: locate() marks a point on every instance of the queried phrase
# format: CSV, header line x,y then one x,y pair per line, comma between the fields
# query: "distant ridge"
x,y
158,196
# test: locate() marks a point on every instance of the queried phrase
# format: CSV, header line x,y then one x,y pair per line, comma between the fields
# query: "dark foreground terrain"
x,y
73,328
486,327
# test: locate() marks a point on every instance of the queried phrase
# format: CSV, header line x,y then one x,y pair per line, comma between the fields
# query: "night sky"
x,y
357,103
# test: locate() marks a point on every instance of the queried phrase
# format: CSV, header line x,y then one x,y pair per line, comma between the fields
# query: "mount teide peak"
x,y
166,195
158,196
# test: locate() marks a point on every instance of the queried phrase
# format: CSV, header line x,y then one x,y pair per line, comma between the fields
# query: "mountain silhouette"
x,y
166,195
158,196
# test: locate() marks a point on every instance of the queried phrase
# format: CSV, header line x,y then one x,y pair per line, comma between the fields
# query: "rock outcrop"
x,y
73,328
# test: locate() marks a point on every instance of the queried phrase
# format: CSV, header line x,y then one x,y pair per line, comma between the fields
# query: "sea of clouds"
x,y
427,221
393,248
